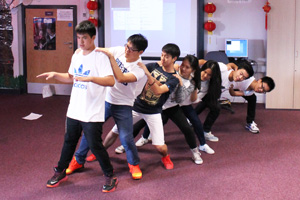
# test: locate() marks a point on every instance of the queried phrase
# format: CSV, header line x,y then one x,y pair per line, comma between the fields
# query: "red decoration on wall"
x,y
210,8
267,8
93,20
210,26
92,5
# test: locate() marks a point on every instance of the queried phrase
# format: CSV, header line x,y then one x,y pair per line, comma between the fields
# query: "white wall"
x,y
239,20
233,20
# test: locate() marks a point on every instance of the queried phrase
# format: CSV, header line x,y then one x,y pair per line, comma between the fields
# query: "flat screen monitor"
x,y
237,48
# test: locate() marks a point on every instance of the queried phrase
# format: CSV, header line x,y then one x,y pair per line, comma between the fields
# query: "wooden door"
x,y
281,53
42,57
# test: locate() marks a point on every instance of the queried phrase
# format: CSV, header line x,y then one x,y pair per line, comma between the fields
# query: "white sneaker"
x,y
196,156
252,127
120,149
206,149
142,141
209,136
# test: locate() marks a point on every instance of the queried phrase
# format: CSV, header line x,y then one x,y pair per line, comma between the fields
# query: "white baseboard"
x,y
59,89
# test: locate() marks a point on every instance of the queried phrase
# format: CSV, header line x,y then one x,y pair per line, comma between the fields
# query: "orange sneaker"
x,y
135,171
91,158
74,166
167,162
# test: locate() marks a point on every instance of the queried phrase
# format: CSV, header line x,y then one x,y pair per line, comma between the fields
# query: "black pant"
x,y
93,132
214,112
251,107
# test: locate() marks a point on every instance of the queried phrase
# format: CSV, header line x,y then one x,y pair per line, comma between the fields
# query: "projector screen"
x,y
160,21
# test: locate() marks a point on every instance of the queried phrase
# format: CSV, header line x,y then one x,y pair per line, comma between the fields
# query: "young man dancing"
x,y
90,73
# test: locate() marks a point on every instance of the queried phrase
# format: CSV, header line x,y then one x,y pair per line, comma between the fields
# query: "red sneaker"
x,y
91,158
167,162
74,166
135,171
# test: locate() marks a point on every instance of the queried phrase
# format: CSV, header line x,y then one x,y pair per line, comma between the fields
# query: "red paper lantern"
x,y
93,20
267,9
210,26
210,8
92,5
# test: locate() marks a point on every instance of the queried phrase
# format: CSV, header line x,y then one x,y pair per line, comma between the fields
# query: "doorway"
x,y
50,42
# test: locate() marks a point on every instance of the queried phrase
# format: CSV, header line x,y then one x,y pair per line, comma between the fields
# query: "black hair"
x,y
197,73
244,64
268,80
138,41
171,49
214,88
86,27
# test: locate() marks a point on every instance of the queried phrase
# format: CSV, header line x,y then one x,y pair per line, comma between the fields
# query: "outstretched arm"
x,y
63,77
104,81
119,75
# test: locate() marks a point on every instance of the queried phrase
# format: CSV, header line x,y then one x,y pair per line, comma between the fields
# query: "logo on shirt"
x,y
122,68
81,73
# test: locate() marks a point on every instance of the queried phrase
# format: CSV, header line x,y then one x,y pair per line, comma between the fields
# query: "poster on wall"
x,y
44,33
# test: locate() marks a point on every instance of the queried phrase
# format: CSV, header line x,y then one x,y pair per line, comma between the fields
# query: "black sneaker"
x,y
58,178
110,184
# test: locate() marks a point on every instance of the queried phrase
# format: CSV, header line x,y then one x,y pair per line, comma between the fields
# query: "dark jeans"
x,y
214,112
191,114
251,107
93,132
123,118
177,116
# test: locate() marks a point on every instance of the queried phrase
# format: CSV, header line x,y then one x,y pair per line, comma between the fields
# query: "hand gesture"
x,y
143,67
47,75
179,78
103,50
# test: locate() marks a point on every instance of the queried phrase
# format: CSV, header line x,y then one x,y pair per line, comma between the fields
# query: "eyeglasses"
x,y
262,87
130,49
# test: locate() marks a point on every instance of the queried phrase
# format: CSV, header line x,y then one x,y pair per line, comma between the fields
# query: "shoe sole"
x,y
113,189
136,177
212,140
119,152
57,184
207,152
76,170
198,162
255,132
168,168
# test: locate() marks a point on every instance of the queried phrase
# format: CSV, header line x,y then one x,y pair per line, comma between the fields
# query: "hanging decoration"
x,y
92,5
93,20
210,8
267,9
210,26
